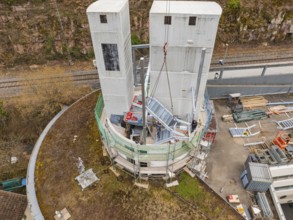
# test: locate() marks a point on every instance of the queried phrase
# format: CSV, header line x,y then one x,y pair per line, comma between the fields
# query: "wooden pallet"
x,y
253,102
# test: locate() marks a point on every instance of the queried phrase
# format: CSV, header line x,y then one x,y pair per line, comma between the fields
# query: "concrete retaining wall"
x,y
272,84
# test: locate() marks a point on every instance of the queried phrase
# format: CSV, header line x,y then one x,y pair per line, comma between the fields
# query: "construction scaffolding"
x,y
149,159
198,164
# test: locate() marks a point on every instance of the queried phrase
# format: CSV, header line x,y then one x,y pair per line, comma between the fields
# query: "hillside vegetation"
x,y
31,32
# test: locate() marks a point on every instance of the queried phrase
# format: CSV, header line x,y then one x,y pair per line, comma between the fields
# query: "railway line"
x,y
243,56
13,85
78,77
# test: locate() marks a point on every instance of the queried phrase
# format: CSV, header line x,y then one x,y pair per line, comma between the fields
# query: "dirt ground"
x,y
111,197
226,159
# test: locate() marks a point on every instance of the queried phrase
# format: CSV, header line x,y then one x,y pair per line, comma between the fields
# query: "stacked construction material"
x,y
265,156
227,118
277,109
280,109
279,154
253,102
264,205
249,115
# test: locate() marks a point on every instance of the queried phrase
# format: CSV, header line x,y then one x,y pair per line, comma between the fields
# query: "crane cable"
x,y
165,48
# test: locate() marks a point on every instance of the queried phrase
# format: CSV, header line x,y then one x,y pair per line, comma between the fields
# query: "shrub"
x,y
3,115
233,4
135,39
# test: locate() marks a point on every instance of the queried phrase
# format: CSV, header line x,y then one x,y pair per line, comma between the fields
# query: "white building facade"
x,y
171,143
110,31
282,187
186,28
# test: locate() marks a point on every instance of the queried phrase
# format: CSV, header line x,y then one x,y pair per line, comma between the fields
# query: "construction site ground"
x,y
225,162
75,135
32,126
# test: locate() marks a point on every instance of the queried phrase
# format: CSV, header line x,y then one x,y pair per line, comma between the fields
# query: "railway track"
x,y
91,76
78,77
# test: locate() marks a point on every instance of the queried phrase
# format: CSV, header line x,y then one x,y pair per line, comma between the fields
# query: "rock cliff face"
x,y
31,32
262,21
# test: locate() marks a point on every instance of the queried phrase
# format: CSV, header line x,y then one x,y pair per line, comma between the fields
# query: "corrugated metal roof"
x,y
256,186
259,172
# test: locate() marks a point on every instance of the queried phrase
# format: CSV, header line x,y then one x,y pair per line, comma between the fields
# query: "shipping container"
x,y
259,177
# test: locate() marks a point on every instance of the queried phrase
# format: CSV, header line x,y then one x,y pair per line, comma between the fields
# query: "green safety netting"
x,y
145,153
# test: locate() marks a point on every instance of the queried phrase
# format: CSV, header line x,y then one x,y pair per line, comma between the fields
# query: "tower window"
x,y
192,21
167,20
103,18
111,58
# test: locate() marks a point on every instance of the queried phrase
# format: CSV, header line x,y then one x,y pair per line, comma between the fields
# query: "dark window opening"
x,y
167,20
111,58
192,21
283,197
103,18
143,164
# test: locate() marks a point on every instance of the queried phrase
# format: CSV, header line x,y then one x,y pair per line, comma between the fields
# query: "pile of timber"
x,y
227,118
279,109
253,102
249,115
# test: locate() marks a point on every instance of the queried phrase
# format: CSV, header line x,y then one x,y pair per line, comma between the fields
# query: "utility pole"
x,y
143,100
222,62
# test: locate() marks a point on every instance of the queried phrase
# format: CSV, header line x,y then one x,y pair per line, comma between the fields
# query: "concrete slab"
x,y
225,161
174,183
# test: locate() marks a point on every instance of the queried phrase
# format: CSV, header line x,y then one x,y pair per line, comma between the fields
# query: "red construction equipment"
x,y
282,139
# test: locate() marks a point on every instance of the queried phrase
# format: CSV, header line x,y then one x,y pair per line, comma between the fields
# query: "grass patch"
x,y
194,192
189,188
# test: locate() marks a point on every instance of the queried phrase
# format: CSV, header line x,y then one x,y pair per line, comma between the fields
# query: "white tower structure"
x,y
185,28
182,32
110,31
